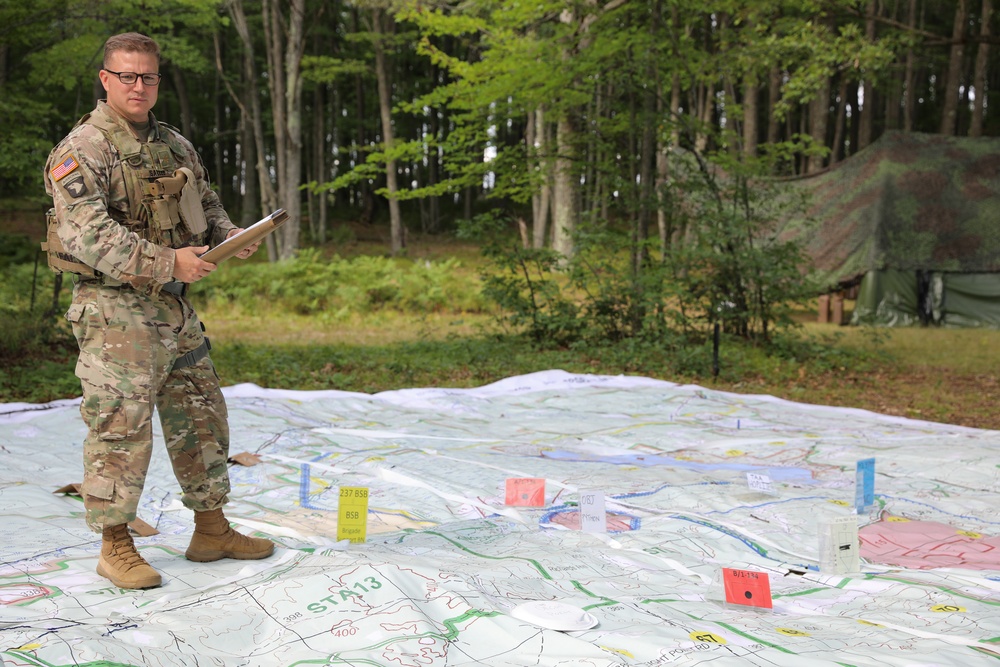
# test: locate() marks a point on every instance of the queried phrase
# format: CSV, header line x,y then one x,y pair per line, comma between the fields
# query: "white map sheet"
x,y
446,560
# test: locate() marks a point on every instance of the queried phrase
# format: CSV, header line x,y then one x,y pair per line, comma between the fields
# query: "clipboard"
x,y
246,238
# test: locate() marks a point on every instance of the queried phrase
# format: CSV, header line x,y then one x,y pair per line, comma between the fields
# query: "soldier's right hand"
x,y
188,267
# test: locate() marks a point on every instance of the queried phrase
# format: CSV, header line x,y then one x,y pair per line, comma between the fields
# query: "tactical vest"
x,y
153,186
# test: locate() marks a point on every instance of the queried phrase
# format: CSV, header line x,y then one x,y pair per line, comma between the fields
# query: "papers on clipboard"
x,y
249,236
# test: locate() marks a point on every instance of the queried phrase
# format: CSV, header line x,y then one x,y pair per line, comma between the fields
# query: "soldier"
x,y
132,212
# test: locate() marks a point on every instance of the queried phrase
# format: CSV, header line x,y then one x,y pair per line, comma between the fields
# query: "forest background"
x,y
479,189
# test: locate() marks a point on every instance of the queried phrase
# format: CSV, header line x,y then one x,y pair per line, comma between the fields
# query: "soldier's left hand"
x,y
249,250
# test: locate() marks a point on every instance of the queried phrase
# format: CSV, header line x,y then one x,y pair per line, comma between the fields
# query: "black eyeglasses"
x,y
129,78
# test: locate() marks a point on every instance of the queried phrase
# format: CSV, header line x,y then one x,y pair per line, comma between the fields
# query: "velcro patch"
x,y
66,167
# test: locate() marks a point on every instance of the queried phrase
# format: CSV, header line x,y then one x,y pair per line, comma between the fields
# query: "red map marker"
x,y
525,492
747,588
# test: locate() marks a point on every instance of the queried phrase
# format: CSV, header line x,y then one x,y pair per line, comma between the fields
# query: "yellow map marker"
x,y
792,632
352,514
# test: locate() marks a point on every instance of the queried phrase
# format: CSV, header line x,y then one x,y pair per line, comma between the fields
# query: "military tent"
x,y
912,224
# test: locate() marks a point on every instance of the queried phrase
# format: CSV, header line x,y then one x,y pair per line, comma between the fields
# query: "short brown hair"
x,y
131,42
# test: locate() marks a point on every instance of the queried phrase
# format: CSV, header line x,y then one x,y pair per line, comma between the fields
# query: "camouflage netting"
x,y
909,201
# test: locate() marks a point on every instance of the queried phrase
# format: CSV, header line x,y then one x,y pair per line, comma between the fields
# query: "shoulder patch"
x,y
65,167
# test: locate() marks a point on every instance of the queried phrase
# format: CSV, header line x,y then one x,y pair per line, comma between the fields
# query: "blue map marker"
x,y
864,484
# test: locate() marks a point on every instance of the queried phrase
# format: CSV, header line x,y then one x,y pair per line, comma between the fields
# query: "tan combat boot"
x,y
214,539
121,563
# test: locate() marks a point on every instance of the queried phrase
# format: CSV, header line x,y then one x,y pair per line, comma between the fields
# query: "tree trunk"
x,y
647,166
249,104
433,175
663,217
184,100
979,73
773,97
317,225
218,122
803,130
705,112
531,161
647,158
284,58
895,86
365,196
819,121
851,131
564,191
532,140
909,79
949,112
339,137
382,25
276,84
866,115
542,202
597,182
633,175
324,173
893,96
291,180
837,151
249,192
566,200
591,158
750,115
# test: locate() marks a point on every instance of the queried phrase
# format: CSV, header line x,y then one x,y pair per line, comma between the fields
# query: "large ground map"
x,y
695,483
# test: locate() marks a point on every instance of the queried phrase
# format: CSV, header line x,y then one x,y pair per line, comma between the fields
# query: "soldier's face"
x,y
133,100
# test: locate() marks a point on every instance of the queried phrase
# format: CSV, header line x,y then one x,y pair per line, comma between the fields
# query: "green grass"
x,y
386,350
341,319
939,375
958,350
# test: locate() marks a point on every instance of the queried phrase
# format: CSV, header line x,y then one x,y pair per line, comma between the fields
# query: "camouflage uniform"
x,y
131,332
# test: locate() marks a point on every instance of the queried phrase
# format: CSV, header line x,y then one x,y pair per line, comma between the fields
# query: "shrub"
x,y
726,266
310,284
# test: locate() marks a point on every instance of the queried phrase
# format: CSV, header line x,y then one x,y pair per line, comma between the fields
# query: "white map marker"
x,y
554,615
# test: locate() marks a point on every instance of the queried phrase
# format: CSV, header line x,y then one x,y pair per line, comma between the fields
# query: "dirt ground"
x,y
938,395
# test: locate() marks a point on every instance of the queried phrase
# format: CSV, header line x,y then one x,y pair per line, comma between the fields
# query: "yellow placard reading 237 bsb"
x,y
352,514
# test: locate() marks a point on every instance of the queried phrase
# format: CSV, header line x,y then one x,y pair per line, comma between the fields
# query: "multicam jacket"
x,y
99,178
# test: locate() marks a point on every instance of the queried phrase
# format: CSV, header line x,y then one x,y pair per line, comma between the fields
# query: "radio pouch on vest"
x,y
59,260
181,193
164,206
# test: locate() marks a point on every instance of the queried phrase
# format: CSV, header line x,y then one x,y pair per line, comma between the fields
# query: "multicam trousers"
x,y
129,341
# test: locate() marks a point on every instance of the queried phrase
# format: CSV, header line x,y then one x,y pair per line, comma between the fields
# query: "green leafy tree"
x,y
735,270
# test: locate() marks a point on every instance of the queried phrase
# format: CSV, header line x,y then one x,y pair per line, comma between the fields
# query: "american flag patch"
x,y
68,165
